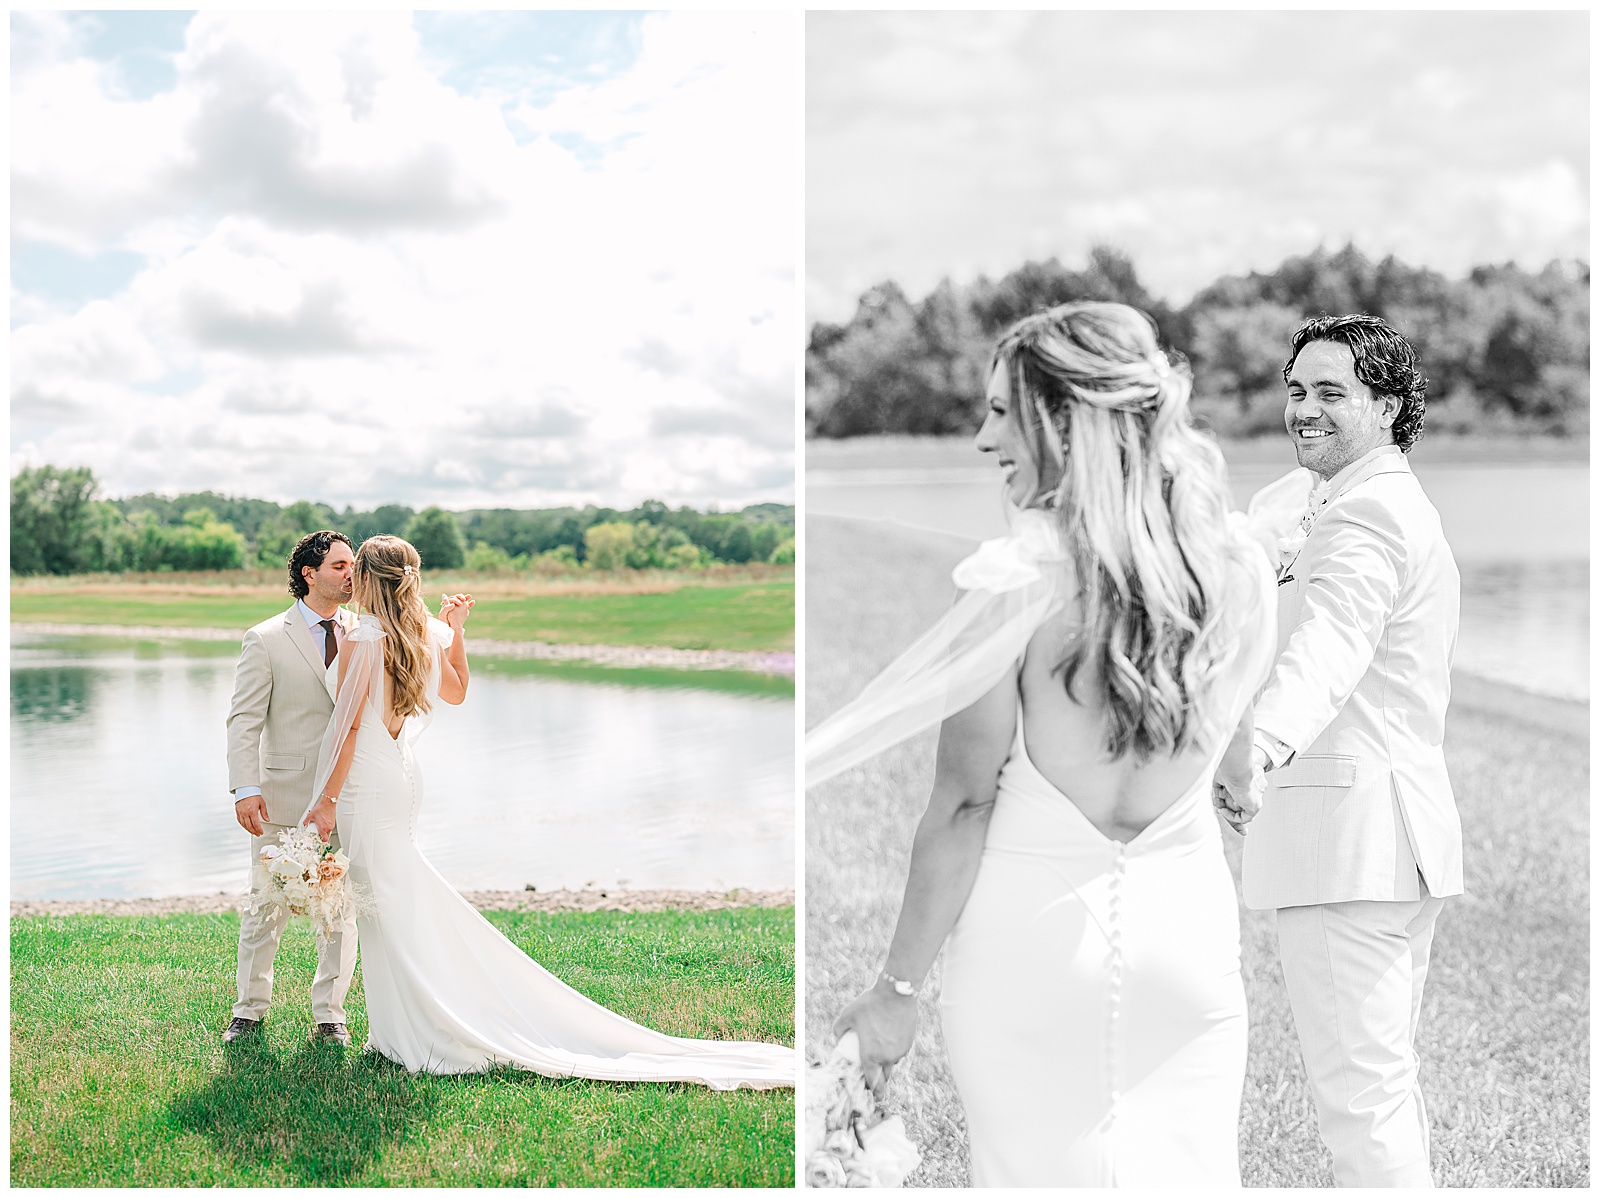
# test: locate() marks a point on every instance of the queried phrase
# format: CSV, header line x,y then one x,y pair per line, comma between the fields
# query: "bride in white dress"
x,y
1092,677
446,992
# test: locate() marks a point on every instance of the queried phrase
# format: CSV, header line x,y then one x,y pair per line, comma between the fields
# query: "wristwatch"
x,y
900,986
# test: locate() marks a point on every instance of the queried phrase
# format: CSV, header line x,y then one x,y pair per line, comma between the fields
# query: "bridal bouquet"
x,y
849,1143
306,875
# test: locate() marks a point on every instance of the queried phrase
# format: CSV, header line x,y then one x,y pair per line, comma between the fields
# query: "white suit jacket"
x,y
282,702
1367,619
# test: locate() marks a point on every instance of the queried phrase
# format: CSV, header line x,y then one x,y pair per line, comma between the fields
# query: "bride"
x,y
446,992
1088,678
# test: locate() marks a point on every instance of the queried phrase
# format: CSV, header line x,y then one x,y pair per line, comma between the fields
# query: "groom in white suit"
x,y
283,695
1358,841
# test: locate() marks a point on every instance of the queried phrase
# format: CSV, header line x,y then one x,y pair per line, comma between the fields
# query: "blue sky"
x,y
1202,143
506,257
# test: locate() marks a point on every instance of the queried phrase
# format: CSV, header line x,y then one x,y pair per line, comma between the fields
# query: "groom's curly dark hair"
x,y
1385,361
311,550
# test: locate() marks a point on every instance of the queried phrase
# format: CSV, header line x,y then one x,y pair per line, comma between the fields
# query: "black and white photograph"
x,y
1195,555
402,539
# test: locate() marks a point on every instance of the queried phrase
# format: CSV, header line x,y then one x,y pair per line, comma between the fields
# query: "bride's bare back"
x,y
1065,740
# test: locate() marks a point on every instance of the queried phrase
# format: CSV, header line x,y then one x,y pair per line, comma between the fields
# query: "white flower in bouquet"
x,y
307,877
849,1142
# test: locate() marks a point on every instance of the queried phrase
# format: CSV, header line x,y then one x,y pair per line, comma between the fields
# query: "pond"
x,y
1519,532
119,779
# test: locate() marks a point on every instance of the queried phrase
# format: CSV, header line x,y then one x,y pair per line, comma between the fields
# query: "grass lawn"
x,y
119,1078
1504,1035
750,609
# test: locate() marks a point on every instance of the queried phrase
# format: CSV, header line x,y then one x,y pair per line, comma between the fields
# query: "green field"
x,y
119,1078
743,616
1504,1034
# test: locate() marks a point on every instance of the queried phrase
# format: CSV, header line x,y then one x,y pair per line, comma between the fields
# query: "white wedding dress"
x,y
446,992
1091,997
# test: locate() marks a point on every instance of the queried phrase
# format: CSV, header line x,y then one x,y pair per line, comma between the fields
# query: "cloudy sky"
x,y
1203,144
512,259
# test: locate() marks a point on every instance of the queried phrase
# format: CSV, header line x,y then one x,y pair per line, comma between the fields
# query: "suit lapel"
x,y
306,643
1383,463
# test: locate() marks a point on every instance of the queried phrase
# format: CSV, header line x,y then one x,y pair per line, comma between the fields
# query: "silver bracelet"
x,y
900,986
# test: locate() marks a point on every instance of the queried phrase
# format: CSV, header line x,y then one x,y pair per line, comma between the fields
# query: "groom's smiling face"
x,y
1332,415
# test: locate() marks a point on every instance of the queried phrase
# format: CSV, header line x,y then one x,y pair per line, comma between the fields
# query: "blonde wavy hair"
x,y
1142,503
388,582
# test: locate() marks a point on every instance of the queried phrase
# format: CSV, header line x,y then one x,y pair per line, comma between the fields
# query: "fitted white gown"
x,y
446,992
1092,1003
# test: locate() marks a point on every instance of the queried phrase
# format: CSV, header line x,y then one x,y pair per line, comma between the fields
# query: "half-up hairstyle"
x,y
388,580
1142,502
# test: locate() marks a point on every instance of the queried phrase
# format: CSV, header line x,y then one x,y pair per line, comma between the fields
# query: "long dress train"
x,y
446,992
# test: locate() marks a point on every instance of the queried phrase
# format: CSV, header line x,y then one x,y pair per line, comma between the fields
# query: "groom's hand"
x,y
1237,793
251,814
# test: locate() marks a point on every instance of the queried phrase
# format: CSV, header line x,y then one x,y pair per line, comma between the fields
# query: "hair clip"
x,y
408,571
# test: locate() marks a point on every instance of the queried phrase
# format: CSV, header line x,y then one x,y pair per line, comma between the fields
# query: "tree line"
x,y
60,526
1505,350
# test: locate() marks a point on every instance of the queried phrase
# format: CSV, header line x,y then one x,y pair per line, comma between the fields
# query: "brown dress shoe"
x,y
332,1033
239,1029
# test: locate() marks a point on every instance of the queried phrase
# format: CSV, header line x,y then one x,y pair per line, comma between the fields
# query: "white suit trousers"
x,y
1354,972
258,947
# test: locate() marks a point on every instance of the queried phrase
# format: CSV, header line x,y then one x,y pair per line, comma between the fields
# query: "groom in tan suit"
x,y
282,701
1358,842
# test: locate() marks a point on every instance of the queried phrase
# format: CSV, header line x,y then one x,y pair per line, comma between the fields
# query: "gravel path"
x,y
483,900
622,656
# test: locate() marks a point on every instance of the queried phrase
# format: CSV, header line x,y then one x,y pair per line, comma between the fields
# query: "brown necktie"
x,y
330,648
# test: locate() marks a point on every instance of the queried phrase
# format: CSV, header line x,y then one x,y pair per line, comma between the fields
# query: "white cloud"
x,y
952,144
360,286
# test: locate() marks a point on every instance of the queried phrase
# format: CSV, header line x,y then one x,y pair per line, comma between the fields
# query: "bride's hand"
x,y
886,1023
453,609
323,817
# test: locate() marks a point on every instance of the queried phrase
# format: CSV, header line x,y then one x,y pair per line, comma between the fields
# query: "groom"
x,y
1358,842
283,696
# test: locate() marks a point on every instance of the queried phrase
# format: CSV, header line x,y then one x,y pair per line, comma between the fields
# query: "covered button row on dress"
x,y
1119,870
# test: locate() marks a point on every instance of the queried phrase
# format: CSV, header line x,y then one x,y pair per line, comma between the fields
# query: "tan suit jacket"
x,y
1367,619
282,702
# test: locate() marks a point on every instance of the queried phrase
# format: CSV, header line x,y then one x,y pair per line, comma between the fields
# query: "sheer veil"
x,y
366,663
1010,586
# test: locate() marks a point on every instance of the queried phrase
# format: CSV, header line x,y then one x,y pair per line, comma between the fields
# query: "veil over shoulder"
x,y
365,664
1010,587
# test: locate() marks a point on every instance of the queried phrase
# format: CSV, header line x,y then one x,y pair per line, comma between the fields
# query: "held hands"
x,y
453,609
886,1024
1237,794
252,814
324,817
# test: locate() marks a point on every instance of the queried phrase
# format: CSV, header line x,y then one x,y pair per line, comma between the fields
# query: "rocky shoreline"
x,y
484,900
617,656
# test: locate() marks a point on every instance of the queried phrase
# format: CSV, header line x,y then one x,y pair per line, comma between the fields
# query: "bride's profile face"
x,y
1002,435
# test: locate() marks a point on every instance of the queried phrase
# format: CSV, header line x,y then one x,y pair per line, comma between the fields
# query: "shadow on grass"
x,y
322,1115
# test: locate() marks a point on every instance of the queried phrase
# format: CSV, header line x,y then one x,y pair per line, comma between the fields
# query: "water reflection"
x,y
1520,534
119,786
53,694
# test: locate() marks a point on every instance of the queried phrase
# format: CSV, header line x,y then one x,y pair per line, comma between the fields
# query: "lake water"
x,y
1520,534
119,781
